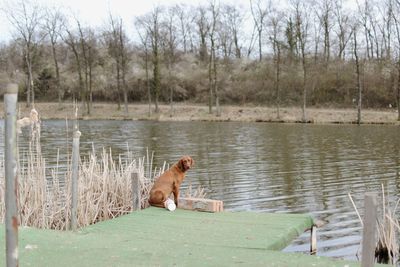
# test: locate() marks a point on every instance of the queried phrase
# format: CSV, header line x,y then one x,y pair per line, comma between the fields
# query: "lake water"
x,y
263,167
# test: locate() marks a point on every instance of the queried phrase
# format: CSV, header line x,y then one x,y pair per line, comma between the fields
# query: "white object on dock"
x,y
169,204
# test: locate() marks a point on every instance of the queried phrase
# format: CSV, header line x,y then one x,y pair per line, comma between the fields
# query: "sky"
x,y
95,12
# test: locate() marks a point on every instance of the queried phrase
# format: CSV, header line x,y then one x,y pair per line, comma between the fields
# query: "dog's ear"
x,y
191,162
180,165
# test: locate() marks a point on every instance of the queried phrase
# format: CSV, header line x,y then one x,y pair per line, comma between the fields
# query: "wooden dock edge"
x,y
201,204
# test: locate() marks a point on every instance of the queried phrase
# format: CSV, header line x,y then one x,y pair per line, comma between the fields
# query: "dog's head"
x,y
185,163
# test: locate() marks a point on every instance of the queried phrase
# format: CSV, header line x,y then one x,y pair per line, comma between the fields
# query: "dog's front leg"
x,y
176,195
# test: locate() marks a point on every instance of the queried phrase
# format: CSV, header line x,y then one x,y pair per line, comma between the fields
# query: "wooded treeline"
x,y
304,53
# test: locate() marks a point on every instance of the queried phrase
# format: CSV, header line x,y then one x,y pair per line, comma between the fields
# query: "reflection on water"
x,y
263,167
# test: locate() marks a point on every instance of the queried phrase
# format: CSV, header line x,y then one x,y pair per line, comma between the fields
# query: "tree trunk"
x,y
398,90
358,78
260,44
58,87
90,89
304,117
126,111
156,70
156,80
210,85
30,94
216,92
146,62
277,84
171,89
171,100
118,85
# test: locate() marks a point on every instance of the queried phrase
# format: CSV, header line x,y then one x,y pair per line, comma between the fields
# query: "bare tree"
x,y
144,39
151,22
386,28
225,40
275,20
343,30
26,17
185,20
88,43
83,44
395,16
373,34
302,28
358,74
364,13
118,50
259,14
324,13
291,39
213,86
203,28
54,24
170,44
72,40
233,19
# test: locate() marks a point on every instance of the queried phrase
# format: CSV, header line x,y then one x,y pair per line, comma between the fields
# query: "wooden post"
x,y
136,194
369,230
74,178
11,175
313,243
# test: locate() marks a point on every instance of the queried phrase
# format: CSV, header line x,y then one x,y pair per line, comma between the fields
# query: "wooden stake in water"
x,y
313,243
136,195
11,177
75,172
369,231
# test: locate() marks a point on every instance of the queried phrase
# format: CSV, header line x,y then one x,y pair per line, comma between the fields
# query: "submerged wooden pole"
x,y
136,195
369,231
11,176
74,178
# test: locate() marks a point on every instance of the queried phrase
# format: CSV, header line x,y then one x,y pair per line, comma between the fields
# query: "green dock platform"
x,y
157,237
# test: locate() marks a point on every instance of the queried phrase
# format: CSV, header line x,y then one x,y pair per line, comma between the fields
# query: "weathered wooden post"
x,y
75,172
313,243
136,195
11,177
369,231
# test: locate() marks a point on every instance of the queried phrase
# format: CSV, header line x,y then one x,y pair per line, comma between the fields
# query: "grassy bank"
x,y
193,112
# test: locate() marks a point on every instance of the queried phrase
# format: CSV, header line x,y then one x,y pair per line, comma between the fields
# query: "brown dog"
x,y
169,182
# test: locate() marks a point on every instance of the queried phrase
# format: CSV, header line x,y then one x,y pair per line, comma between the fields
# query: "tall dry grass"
x,y
104,190
388,229
104,186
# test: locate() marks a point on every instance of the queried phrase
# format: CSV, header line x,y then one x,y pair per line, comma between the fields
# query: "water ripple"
x,y
261,167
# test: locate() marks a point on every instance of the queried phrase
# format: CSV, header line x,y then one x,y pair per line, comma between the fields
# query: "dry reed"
x,y
104,190
104,185
387,247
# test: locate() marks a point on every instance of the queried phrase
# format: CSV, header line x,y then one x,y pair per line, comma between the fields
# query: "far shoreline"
x,y
199,112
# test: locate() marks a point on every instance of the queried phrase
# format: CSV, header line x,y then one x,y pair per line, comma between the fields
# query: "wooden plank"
x,y
201,204
11,175
369,231
136,192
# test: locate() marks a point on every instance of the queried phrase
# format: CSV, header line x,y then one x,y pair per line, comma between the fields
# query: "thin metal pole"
x,y
136,195
74,178
11,175
369,231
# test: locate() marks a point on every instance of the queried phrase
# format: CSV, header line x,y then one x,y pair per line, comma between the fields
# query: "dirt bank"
x,y
193,112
